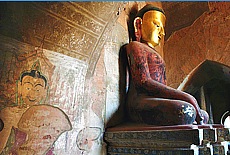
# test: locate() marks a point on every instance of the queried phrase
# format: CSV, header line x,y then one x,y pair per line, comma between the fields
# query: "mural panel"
x,y
41,102
55,76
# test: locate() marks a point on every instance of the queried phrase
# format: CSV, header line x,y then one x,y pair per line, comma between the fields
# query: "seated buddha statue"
x,y
149,99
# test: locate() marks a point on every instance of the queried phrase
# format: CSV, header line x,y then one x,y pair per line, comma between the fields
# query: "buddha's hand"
x,y
203,117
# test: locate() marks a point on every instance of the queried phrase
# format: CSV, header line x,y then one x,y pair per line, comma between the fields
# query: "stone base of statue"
x,y
138,139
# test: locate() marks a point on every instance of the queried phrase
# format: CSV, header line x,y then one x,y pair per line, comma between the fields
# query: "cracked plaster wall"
x,y
206,38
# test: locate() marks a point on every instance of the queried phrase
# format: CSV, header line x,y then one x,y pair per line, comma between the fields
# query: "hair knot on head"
x,y
147,8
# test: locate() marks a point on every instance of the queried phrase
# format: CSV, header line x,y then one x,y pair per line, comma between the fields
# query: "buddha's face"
x,y
152,28
32,90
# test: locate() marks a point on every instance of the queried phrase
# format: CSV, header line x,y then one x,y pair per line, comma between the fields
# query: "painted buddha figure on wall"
x,y
149,99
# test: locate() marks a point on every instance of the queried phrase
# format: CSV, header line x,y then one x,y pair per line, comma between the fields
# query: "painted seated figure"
x,y
38,128
149,99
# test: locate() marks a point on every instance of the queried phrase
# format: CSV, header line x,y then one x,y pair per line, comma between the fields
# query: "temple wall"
x,y
74,46
206,38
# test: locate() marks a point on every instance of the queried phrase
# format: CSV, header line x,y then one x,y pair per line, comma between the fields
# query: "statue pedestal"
x,y
180,139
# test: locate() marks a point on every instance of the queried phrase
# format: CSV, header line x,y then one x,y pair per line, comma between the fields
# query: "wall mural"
x,y
42,103
31,125
75,36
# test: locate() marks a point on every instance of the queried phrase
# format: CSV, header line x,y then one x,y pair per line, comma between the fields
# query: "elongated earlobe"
x,y
137,28
19,93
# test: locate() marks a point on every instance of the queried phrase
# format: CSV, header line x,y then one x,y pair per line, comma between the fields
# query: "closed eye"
x,y
156,24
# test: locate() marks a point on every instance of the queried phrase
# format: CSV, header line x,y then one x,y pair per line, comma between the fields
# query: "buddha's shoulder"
x,y
134,44
12,110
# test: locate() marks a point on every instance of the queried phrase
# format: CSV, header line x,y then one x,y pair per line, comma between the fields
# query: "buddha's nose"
x,y
162,32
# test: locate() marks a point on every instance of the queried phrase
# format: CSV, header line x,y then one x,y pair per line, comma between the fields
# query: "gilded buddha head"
x,y
149,25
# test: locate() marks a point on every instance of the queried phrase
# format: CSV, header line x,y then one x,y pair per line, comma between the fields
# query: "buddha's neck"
x,y
151,45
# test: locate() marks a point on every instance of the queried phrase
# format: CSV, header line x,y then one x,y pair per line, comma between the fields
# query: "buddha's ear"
x,y
19,85
137,28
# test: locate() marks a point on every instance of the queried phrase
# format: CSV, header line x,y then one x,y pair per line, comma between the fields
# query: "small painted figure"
x,y
149,99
